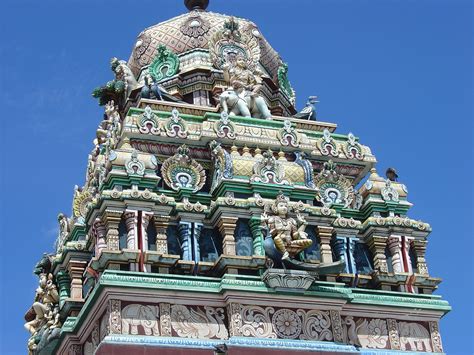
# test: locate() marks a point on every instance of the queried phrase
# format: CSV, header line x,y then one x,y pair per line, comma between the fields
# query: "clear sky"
x,y
398,74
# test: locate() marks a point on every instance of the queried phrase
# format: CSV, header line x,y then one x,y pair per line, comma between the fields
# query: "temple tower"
x,y
217,219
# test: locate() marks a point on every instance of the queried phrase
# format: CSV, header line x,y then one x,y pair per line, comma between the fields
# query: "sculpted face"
x,y
282,208
240,62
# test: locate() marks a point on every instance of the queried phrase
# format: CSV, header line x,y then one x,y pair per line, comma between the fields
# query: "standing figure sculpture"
x,y
124,73
288,234
242,98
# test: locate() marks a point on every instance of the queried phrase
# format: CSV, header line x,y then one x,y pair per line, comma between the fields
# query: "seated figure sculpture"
x,y
288,234
242,97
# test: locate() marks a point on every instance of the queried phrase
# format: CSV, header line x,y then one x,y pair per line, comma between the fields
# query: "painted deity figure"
x,y
243,96
63,231
288,234
45,299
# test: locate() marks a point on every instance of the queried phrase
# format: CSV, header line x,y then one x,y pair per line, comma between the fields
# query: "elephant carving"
x,y
137,315
414,336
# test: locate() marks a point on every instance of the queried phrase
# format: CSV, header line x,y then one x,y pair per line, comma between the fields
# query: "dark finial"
x,y
391,174
196,4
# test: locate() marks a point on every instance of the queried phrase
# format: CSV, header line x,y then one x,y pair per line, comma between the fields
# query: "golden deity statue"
x,y
288,234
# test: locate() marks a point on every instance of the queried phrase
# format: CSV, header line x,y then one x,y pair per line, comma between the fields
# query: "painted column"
x,y
377,247
161,225
112,220
420,250
226,227
64,286
339,246
394,245
99,231
325,236
146,218
76,269
184,235
131,223
255,225
198,227
436,337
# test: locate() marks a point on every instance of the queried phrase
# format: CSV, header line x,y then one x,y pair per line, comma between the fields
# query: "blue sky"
x,y
398,74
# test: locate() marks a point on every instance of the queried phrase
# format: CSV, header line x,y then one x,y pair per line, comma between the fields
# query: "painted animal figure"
x,y
136,315
246,105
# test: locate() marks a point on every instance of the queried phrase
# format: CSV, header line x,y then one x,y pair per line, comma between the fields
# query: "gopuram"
x,y
215,218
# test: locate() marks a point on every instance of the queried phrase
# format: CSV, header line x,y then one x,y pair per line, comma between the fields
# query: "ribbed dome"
x,y
191,31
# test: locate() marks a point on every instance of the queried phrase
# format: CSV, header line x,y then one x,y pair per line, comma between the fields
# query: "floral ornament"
x,y
327,145
286,324
352,149
134,166
195,26
224,127
175,126
389,193
269,170
288,135
180,171
284,83
333,188
81,203
165,64
148,122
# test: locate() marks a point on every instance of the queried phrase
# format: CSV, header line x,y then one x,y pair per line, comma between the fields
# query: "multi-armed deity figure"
x,y
242,97
288,234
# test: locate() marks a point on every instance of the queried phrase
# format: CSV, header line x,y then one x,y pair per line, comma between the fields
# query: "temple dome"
x,y
192,31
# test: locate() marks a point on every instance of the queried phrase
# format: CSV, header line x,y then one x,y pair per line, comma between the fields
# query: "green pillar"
x,y
64,286
255,224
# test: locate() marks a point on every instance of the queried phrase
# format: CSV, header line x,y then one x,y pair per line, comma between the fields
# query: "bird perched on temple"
x,y
307,168
391,174
309,111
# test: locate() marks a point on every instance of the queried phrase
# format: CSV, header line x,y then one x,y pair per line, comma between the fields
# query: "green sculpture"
x,y
284,83
165,64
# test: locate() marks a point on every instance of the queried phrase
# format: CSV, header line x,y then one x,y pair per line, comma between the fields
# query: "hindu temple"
x,y
217,218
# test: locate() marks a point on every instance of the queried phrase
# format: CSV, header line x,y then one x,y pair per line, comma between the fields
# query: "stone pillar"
x,y
184,235
420,251
112,220
394,245
165,319
161,225
99,232
325,236
255,224
64,286
377,247
393,335
436,337
226,227
131,223
76,269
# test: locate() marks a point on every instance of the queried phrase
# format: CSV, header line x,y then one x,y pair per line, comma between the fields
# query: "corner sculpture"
x,y
42,319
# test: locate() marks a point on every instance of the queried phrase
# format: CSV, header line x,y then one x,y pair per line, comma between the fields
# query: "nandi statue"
x,y
242,97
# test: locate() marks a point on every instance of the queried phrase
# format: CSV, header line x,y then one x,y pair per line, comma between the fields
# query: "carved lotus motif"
x,y
286,323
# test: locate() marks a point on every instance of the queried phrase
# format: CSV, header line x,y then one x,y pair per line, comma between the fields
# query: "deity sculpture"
x,y
63,231
45,299
242,97
288,234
